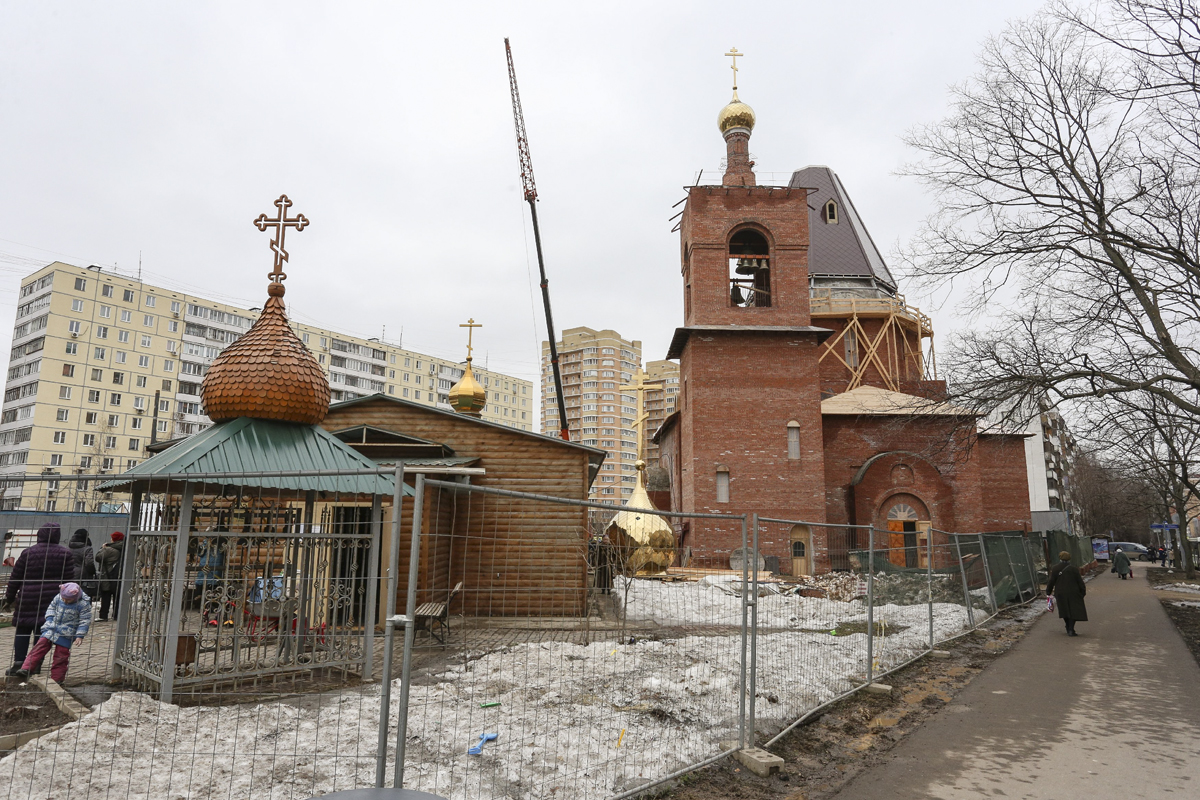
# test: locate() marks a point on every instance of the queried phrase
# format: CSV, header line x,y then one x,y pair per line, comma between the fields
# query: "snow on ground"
x,y
1191,588
1185,604
579,721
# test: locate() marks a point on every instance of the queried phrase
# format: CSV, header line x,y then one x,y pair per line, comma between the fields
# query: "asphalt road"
x,y
1112,713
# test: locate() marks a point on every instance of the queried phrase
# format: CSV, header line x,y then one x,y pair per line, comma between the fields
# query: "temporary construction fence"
x,y
604,663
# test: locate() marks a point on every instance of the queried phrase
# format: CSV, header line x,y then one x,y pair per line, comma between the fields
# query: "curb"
x,y
14,740
65,702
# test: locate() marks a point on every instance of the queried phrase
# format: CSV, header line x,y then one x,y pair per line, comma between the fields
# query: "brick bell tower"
x,y
750,436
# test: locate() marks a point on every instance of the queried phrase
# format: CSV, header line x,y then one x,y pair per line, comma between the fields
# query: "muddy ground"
x,y
25,707
1186,618
853,735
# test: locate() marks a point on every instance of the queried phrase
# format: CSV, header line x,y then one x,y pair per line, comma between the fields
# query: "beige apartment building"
x,y
103,365
660,402
595,365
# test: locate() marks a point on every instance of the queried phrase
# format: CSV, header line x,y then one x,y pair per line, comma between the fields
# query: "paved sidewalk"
x,y
1112,713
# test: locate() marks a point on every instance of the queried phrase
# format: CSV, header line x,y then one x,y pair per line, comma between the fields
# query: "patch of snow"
x,y
1191,588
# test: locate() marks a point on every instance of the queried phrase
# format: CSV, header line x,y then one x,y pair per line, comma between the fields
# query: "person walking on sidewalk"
x,y
1069,589
1121,564
33,585
109,560
67,621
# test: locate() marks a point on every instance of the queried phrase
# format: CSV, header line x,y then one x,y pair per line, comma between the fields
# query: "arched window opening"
x,y
793,440
852,349
831,212
749,270
722,484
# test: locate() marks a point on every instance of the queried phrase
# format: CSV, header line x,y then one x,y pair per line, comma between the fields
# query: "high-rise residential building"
x,y
595,365
102,365
661,399
1049,459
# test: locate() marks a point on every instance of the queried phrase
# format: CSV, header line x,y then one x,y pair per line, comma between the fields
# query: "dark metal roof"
x,y
681,334
844,249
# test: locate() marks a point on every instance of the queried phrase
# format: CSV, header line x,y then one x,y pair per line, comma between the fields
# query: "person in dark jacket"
x,y
1121,564
85,561
33,585
1069,589
109,559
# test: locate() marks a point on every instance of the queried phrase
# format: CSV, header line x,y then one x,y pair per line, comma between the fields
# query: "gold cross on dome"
x,y
280,223
470,325
735,55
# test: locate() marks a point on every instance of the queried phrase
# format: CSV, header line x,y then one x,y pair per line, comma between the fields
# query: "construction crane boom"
x,y
531,197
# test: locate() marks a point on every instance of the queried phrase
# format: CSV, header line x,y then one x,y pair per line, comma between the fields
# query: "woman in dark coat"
x,y
1121,564
33,584
1069,589
85,561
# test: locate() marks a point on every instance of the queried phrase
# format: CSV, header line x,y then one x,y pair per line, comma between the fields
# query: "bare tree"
x,y
1068,176
1112,497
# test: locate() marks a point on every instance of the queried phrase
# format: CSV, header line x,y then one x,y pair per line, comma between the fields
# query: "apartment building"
x,y
595,365
103,365
1049,459
660,401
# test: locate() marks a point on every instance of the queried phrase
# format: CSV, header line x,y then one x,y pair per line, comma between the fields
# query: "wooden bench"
x,y
429,614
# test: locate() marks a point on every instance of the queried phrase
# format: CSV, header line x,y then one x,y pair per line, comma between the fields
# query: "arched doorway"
x,y
903,522
801,541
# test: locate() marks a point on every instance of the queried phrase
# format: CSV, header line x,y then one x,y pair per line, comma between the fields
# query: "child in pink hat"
x,y
67,621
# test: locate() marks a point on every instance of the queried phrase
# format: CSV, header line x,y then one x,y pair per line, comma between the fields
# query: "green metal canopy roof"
x,y
245,446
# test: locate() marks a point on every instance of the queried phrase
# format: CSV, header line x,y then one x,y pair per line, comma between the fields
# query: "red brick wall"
x,y
1005,488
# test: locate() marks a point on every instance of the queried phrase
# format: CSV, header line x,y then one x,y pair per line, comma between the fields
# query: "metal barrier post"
x,y
987,573
871,606
1033,576
414,556
929,571
754,636
389,629
966,586
125,572
745,609
372,607
170,639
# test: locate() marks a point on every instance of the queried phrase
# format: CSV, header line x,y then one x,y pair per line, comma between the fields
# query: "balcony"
x,y
823,302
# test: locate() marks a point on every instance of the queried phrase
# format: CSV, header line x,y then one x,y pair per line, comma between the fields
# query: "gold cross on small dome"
x,y
735,55
470,324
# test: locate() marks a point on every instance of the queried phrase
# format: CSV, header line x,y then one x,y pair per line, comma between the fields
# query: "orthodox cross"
x,y
280,223
470,325
641,385
734,54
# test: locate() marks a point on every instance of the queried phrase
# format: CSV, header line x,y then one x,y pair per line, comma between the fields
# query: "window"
x,y
136,423
150,300
173,326
139,402
164,406
110,442
146,341
852,349
119,378
85,462
89,440
60,437
749,270
56,460
148,320
168,365
77,305
123,337
73,327
189,408
93,395
793,440
114,420
166,386
114,399
144,362
90,418
63,415
68,370
161,426
135,444
100,353
106,290
81,284
72,349
830,212
141,382
105,312
304,338
126,315
106,463
120,356
722,484
101,332
175,306
64,393
97,374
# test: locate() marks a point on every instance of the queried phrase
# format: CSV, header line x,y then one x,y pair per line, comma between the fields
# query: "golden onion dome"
x,y
467,396
735,115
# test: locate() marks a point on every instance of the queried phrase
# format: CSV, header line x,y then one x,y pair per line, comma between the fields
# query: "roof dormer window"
x,y
831,212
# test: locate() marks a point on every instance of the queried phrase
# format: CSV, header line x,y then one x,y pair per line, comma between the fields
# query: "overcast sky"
x,y
165,128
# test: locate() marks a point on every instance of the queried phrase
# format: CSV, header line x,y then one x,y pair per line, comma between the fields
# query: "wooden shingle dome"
x,y
267,374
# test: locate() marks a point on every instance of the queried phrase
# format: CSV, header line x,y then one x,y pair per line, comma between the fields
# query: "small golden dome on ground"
x,y
467,396
735,115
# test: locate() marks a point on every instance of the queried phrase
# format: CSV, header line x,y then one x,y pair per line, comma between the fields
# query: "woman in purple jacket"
x,y
34,583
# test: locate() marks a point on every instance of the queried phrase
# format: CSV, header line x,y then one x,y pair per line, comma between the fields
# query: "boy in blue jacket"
x,y
67,621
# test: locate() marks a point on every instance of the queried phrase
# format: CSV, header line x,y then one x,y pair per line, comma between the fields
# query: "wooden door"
x,y
801,550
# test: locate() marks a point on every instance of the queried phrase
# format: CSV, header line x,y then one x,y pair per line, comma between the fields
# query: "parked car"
x,y
1135,551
